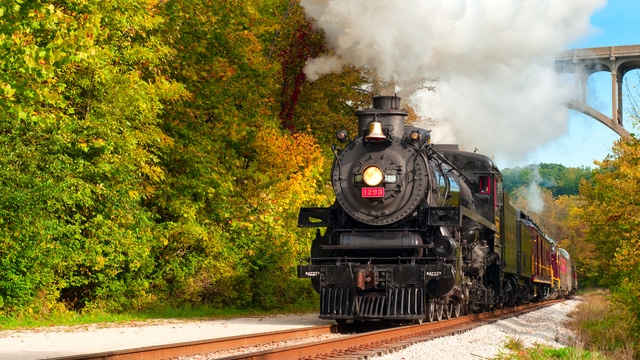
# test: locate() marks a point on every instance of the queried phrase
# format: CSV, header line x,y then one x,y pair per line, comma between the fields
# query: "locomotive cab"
x,y
484,177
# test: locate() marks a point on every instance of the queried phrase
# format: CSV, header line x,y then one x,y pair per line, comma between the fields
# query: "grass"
x,y
70,318
603,326
539,352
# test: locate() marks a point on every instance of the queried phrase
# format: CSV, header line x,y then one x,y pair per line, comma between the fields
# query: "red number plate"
x,y
372,192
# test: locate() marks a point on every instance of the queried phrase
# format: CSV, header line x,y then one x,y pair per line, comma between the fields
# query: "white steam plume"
x,y
535,202
496,91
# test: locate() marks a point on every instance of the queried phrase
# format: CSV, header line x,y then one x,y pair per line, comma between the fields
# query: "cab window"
x,y
484,183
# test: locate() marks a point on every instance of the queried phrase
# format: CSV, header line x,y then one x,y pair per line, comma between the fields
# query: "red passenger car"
x,y
539,247
568,277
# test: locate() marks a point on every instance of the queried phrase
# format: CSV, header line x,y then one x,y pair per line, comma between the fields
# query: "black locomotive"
x,y
420,231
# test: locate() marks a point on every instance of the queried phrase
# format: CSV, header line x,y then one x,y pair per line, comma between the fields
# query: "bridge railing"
x,y
607,51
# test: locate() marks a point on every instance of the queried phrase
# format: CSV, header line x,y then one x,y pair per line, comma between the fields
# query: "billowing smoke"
x,y
535,202
491,62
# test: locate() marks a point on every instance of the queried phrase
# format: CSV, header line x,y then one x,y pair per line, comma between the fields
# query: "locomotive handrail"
x,y
383,246
377,230
352,258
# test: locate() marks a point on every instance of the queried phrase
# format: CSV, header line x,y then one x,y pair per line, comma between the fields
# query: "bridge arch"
x,y
582,63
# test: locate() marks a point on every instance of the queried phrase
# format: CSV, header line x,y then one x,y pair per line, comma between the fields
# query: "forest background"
x,y
155,154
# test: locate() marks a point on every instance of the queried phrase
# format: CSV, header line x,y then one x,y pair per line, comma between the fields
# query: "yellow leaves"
x,y
627,256
83,145
283,155
134,194
100,261
8,91
612,212
153,172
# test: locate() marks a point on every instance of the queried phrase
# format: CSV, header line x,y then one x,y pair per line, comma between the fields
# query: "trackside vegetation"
x,y
154,155
601,330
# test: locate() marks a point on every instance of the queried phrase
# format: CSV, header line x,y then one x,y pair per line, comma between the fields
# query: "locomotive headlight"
x,y
341,135
415,135
372,176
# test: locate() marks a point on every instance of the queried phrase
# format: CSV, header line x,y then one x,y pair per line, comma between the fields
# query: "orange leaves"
x,y
290,168
280,154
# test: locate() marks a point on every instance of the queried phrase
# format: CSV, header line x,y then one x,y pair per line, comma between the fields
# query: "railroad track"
x,y
359,345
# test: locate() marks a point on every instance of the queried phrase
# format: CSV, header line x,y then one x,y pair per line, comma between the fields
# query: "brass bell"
x,y
375,132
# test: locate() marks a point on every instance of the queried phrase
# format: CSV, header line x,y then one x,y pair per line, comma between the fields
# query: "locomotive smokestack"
x,y
386,102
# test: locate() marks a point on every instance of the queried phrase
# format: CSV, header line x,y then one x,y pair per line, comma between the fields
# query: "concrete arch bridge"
x,y
582,63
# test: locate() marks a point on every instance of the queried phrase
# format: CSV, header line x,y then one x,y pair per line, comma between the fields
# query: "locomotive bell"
x,y
375,132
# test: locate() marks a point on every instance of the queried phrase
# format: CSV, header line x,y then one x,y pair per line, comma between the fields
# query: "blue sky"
x,y
587,140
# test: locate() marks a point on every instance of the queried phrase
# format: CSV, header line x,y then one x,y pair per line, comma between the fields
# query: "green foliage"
x,y
557,178
544,353
75,159
517,351
227,205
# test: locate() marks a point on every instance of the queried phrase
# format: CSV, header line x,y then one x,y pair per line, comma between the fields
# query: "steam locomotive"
x,y
421,232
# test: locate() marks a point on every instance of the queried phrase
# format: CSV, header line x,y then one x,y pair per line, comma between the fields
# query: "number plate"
x,y
372,192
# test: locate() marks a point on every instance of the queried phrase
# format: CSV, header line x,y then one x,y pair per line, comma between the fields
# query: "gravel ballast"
x,y
546,327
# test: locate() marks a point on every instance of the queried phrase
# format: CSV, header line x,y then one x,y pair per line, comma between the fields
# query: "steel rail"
x,y
202,346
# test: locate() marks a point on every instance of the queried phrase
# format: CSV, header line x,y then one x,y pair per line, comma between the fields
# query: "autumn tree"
x,y
612,210
236,174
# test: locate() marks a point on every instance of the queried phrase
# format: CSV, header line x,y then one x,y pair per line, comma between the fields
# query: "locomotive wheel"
x,y
456,309
439,311
448,310
431,310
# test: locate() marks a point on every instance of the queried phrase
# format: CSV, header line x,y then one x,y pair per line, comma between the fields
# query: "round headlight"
x,y
372,176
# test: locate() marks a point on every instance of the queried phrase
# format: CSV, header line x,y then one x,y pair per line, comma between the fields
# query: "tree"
x,y
235,177
612,210
159,151
79,139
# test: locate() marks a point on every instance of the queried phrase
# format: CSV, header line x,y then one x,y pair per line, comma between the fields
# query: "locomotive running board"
x,y
478,218
452,216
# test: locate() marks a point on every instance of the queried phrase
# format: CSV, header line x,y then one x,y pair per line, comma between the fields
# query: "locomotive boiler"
x,y
418,231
